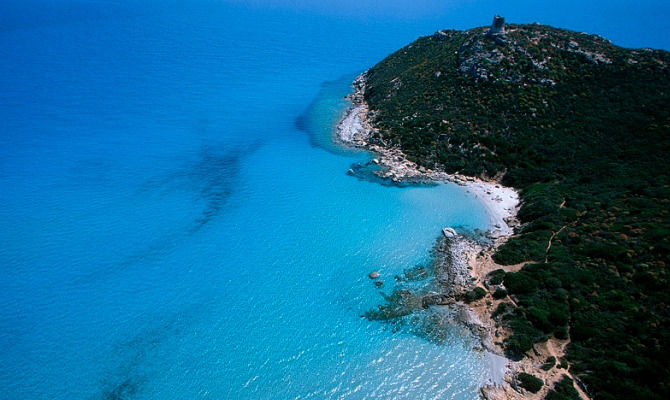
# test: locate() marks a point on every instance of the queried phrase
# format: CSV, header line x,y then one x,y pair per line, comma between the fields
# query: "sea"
x,y
176,222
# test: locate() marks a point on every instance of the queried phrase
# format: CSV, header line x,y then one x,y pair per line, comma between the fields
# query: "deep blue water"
x,y
169,230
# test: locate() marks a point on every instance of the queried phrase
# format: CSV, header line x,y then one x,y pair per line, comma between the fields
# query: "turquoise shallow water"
x,y
169,231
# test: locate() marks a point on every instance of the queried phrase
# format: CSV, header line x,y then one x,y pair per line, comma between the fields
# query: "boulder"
x,y
449,232
373,275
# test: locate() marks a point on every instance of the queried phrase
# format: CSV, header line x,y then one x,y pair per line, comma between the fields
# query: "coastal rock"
x,y
449,233
451,267
439,299
373,275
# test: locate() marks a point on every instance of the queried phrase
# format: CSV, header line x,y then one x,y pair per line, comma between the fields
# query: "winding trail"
x,y
553,235
551,348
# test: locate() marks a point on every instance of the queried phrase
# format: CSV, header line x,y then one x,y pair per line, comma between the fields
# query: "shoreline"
x,y
502,204
354,130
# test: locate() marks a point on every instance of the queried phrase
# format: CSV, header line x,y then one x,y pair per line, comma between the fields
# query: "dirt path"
x,y
553,235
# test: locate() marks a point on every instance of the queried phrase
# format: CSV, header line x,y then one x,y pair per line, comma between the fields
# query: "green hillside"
x,y
582,128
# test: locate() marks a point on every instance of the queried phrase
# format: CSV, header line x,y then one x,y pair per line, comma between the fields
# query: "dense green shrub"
x,y
524,335
559,315
496,277
475,294
503,309
530,382
563,390
561,332
526,247
549,363
519,283
500,293
539,317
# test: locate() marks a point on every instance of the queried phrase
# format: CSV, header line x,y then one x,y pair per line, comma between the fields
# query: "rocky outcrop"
x,y
451,266
436,299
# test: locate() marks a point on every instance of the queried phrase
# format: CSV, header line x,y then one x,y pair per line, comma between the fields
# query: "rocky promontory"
x,y
576,293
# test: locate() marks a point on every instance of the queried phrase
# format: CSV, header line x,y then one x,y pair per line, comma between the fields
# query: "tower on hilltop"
x,y
498,25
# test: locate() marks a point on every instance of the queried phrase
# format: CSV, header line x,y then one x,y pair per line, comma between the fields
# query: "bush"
x,y
549,363
496,277
539,318
500,293
525,247
503,308
559,315
563,390
475,294
561,332
530,382
524,335
516,345
520,282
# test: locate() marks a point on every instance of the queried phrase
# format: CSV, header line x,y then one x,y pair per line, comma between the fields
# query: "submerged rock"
x,y
437,325
416,274
400,303
425,300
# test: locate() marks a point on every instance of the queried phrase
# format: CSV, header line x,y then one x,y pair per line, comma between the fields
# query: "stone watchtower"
x,y
498,26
